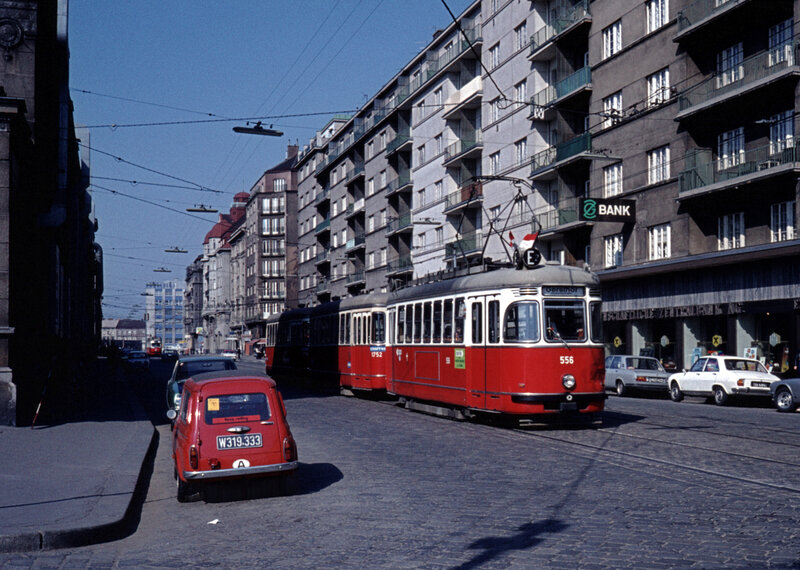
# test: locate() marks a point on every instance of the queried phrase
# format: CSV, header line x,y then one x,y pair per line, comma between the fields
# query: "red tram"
x,y
521,343
154,347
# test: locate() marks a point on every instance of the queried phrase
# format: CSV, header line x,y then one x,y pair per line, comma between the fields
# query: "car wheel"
x,y
720,396
675,393
185,490
620,388
784,401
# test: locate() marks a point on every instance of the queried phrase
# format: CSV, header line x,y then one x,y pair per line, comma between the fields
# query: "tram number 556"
x,y
567,359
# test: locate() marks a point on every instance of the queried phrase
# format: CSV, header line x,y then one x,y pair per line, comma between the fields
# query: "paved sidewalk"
x,y
79,481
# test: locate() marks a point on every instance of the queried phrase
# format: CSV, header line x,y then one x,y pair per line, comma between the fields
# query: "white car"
x,y
721,377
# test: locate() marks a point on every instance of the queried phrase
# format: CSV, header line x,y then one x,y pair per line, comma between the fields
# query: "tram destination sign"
x,y
562,290
603,210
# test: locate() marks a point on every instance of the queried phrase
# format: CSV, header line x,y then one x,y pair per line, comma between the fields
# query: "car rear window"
x,y
234,408
744,365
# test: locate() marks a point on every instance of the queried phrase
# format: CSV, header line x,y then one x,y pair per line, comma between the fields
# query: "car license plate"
x,y
238,441
760,384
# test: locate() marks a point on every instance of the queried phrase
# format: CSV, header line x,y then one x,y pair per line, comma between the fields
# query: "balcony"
x,y
403,141
323,226
399,184
323,287
463,148
545,162
355,207
553,216
357,242
355,278
701,13
567,19
397,225
470,195
575,83
468,244
703,174
323,257
399,265
754,72
323,196
354,173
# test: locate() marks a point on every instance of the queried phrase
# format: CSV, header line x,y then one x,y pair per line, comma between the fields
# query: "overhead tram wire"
x,y
130,100
183,213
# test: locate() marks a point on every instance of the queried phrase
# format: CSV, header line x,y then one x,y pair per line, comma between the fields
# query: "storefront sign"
x,y
716,340
602,210
664,341
774,339
617,341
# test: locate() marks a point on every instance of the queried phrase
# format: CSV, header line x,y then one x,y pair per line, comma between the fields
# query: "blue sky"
x,y
158,82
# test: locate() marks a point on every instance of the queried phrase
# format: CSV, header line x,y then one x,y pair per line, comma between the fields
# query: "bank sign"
x,y
600,210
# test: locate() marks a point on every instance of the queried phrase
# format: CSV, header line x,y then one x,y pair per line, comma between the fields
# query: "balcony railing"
x,y
355,242
397,224
701,10
760,66
397,183
398,141
563,151
323,256
355,206
323,195
703,170
467,244
323,287
567,15
399,264
462,145
569,84
357,169
355,277
559,214
469,193
323,225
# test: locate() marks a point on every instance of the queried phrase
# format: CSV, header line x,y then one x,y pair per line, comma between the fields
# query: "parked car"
x,y
188,366
721,377
169,354
786,394
138,359
625,372
230,353
241,422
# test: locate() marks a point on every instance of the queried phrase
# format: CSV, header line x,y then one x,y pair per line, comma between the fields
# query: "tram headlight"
x,y
568,380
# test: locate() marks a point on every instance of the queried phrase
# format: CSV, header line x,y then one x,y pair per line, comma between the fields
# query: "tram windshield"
x,y
521,322
564,320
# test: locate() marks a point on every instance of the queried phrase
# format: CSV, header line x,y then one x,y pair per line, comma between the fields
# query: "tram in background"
x,y
514,342
154,347
287,342
522,343
348,340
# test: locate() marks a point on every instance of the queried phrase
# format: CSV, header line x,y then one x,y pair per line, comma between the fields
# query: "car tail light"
x,y
193,459
641,379
289,449
740,382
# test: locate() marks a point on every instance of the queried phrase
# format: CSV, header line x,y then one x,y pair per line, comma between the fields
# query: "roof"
x,y
225,376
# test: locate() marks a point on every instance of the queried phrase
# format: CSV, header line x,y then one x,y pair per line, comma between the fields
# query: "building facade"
x,y
164,313
124,333
193,307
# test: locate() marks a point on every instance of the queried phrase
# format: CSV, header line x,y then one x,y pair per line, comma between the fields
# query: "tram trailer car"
x,y
363,360
516,342
288,343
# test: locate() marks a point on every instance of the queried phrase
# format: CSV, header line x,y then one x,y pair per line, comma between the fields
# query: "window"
x,y
657,14
612,39
279,185
494,110
730,148
612,109
658,87
780,43
521,36
729,65
437,97
421,154
370,187
520,151
781,132
521,92
370,150
438,143
612,180
564,320
371,223
521,323
422,240
383,179
494,163
438,190
439,236
782,221
382,141
494,214
658,165
614,247
730,231
420,197
494,56
659,242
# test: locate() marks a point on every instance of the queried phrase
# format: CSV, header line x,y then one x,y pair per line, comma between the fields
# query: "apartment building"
x,y
164,313
271,279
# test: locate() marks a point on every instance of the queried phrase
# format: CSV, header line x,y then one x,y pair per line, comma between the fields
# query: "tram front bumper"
x,y
563,402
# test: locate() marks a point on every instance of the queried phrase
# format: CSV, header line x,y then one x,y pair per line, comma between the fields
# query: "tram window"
x,y
477,323
595,310
426,323
437,321
522,322
448,321
461,313
390,338
564,320
409,322
347,337
379,328
418,322
401,323
494,322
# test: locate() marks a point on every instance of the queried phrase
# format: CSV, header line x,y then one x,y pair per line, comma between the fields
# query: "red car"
x,y
230,426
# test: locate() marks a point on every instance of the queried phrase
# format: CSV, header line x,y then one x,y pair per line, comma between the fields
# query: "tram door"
x,y
476,357
345,348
